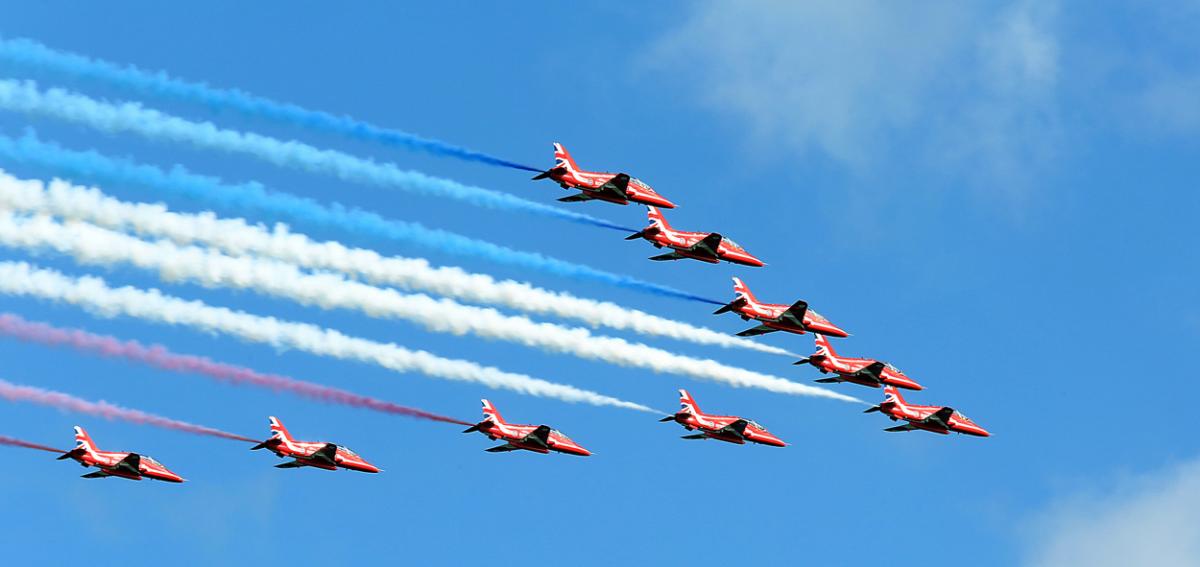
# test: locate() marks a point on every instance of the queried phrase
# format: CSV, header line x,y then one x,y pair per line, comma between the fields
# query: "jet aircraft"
x,y
864,371
728,428
617,188
938,419
536,438
796,318
704,246
130,466
317,454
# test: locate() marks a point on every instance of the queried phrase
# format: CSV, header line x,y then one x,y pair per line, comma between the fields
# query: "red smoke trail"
x,y
17,393
159,357
19,443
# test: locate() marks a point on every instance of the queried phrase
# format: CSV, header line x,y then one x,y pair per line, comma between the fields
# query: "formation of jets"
x,y
710,247
798,318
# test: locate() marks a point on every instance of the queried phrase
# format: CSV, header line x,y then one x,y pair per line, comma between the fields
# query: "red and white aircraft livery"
x,y
723,427
124,465
704,246
937,419
616,188
796,318
865,371
317,454
536,438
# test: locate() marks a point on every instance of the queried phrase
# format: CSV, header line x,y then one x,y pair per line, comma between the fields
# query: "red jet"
x,y
317,454
722,427
616,188
536,438
937,419
865,371
704,246
797,318
131,466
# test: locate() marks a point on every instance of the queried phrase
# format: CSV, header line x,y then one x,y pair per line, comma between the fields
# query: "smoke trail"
x,y
94,295
29,53
91,244
252,198
17,393
159,357
19,443
24,96
238,237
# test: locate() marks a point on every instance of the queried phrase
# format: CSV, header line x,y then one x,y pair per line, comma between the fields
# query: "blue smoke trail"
x,y
254,198
24,96
31,54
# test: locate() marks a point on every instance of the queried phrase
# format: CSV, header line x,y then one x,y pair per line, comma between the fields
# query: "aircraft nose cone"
x,y
367,467
663,202
774,441
755,262
577,450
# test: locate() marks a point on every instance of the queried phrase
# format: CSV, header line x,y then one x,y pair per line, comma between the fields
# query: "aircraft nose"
x,y
367,467
577,450
752,261
774,441
661,201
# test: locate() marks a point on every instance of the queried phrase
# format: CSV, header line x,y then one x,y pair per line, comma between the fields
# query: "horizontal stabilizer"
x,y
502,448
827,380
695,436
289,465
549,172
905,427
97,474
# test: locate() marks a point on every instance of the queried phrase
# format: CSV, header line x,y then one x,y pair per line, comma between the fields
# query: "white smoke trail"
x,y
95,296
239,238
92,244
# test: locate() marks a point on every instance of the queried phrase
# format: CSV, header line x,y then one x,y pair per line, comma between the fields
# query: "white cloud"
x,y
856,79
1148,520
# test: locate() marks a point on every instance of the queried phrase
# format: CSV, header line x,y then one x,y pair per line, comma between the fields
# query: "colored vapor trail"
x,y
238,237
159,357
18,393
19,443
24,96
253,198
90,244
93,294
32,54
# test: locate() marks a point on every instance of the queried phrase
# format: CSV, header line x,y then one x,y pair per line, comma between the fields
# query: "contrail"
x,y
94,295
19,443
239,238
158,356
24,96
254,199
17,393
95,245
28,53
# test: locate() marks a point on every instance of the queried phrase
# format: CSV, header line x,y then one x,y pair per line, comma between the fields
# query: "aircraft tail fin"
x,y
83,441
742,290
687,403
562,158
278,431
824,346
892,396
657,220
490,412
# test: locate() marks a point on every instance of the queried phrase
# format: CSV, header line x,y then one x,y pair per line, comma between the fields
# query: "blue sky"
x,y
997,198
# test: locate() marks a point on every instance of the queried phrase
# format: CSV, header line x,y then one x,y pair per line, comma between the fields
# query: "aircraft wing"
x,y
615,187
795,313
941,417
539,437
736,429
755,331
131,464
667,256
707,246
503,448
874,371
325,455
576,198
